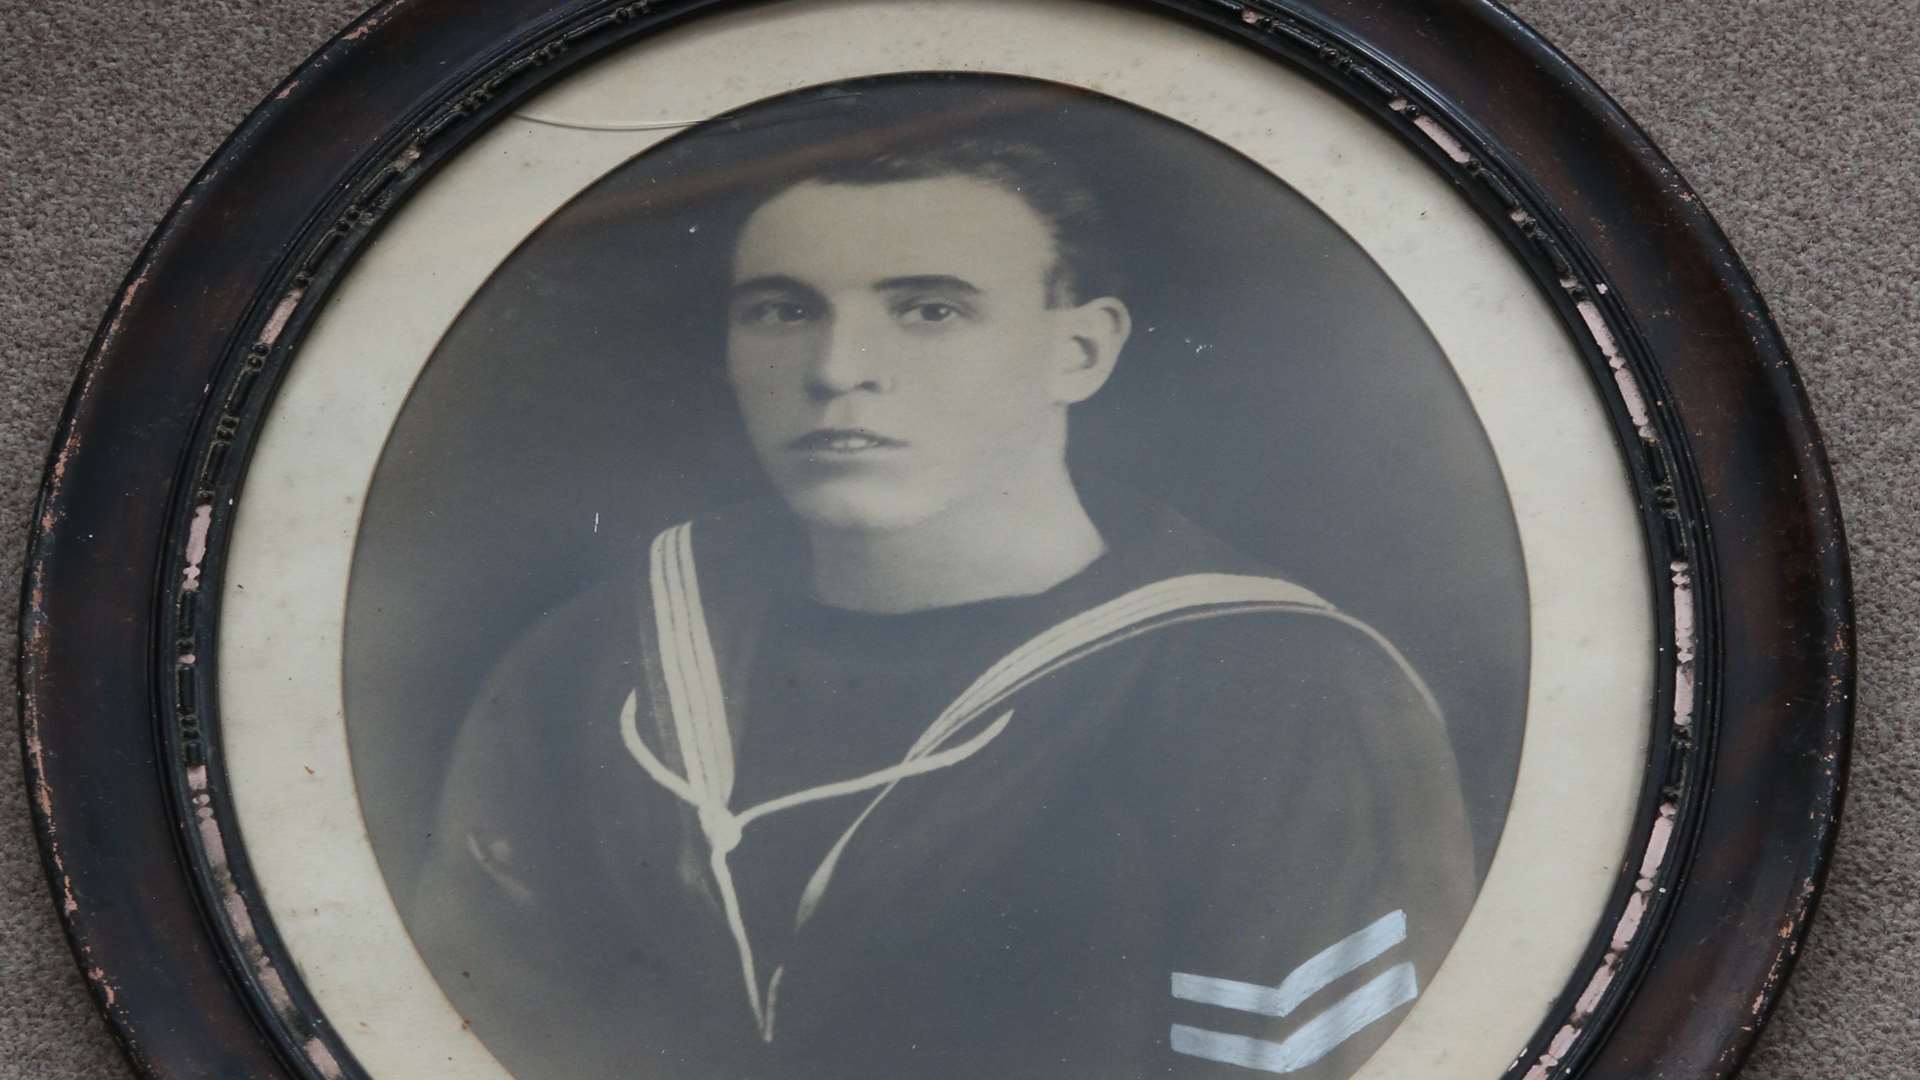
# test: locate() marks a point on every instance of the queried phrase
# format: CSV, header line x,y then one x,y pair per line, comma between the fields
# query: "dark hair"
x,y
1084,266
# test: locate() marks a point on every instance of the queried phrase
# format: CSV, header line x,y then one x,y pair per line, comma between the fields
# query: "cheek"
x,y
995,410
1002,379
747,359
763,381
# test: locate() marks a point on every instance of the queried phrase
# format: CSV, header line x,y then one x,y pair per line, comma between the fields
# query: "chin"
x,y
859,511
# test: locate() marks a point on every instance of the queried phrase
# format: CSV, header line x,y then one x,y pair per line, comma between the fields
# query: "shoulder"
x,y
1277,644
569,645
1288,696
550,696
1232,645
1299,725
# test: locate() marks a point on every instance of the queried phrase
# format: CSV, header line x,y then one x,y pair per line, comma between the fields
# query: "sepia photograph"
x,y
943,576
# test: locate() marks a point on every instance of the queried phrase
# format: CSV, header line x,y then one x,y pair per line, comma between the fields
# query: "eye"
x,y
774,313
929,312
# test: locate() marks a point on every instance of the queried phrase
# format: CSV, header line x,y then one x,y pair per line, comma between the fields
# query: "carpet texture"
x,y
1796,124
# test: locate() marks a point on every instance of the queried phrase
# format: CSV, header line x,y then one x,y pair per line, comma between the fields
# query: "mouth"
x,y
843,441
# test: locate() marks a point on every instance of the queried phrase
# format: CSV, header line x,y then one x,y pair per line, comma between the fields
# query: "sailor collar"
x,y
695,704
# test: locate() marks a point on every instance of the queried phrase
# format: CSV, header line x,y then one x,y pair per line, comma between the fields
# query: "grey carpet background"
x,y
1797,123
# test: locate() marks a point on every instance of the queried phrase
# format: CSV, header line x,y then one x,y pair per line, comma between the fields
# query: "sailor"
x,y
945,764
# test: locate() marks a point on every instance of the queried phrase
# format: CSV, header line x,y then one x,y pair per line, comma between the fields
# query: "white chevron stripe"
x,y
1336,960
1314,1039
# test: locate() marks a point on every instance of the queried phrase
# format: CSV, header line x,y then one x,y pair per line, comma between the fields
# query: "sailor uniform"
x,y
1175,817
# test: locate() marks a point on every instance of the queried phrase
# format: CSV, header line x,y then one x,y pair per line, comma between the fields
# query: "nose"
x,y
851,358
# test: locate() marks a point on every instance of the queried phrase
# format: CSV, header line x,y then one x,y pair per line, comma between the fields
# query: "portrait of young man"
x,y
945,761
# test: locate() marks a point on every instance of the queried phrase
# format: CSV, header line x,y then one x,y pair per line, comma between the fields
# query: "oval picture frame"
x,y
136,639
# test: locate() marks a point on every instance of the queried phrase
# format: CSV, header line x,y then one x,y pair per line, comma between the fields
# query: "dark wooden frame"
x,y
1754,622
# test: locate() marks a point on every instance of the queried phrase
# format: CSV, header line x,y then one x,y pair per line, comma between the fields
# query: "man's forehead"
x,y
837,235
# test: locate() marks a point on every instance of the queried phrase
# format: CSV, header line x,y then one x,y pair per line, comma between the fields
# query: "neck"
x,y
1009,542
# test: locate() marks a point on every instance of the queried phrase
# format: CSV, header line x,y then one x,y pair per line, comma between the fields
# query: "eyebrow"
x,y
929,283
911,283
774,283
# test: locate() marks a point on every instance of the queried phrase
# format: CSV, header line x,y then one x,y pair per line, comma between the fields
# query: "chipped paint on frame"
x,y
233,903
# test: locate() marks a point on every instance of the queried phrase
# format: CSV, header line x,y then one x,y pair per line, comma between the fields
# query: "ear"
x,y
1092,336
